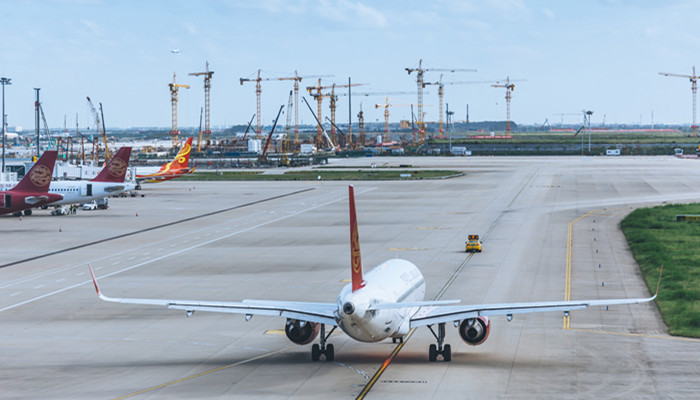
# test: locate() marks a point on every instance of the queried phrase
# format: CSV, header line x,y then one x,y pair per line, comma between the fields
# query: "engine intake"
x,y
475,331
301,332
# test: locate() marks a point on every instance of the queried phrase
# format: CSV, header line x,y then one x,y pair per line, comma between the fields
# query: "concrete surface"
x,y
290,240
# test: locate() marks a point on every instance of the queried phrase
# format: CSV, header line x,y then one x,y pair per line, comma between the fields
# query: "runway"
x,y
290,241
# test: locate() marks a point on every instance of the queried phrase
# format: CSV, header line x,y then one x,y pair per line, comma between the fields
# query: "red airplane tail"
x,y
355,257
115,169
38,179
182,159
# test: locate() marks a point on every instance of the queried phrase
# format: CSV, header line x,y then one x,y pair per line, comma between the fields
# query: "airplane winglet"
x,y
94,281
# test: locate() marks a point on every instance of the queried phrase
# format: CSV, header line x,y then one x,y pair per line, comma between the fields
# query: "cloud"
x,y
549,14
92,27
351,12
191,29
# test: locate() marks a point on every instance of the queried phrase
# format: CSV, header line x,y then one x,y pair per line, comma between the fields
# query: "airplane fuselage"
x,y
394,281
74,192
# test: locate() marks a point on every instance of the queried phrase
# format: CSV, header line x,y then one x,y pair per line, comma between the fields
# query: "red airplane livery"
x,y
33,190
176,168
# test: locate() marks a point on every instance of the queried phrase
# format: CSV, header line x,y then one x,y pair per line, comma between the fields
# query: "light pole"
x,y
4,81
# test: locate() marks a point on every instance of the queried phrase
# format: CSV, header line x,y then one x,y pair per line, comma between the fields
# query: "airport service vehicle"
x,y
174,169
90,205
473,244
110,181
60,211
32,190
387,302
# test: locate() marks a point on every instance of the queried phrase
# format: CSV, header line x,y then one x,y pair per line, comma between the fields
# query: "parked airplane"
x,y
32,190
387,302
109,182
176,168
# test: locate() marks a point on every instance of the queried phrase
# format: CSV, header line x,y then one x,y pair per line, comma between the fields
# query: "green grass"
x,y
655,239
306,175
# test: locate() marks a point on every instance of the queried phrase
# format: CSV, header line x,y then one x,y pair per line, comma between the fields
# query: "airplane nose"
x,y
348,308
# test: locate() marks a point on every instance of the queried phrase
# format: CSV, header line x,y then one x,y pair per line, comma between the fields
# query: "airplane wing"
x,y
114,188
436,315
38,199
305,311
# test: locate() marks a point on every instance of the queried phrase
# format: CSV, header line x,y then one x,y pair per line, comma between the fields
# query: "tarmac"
x,y
290,241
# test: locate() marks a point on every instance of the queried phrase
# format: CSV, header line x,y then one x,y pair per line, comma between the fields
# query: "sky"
x,y
564,56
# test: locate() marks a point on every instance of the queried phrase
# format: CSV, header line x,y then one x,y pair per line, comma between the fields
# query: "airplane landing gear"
x,y
445,351
325,349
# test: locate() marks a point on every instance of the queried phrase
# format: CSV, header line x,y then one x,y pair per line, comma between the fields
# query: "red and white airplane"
x,y
33,190
387,302
179,166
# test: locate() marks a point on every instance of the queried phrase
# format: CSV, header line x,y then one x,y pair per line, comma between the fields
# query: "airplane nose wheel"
x,y
323,349
435,350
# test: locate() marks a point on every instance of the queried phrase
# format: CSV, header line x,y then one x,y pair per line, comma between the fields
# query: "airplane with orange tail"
x,y
179,166
33,190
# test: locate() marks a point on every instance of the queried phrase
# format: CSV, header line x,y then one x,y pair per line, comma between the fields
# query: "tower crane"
x,y
694,87
361,126
420,71
318,96
284,160
99,126
509,86
174,88
386,114
441,92
361,115
207,87
258,92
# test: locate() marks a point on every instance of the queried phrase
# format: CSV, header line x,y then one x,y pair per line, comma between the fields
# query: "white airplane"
x,y
385,303
109,182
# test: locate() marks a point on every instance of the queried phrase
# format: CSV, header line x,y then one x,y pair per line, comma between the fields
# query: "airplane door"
x,y
89,189
8,201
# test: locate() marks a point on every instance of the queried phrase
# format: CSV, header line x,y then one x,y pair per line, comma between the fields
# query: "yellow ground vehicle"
x,y
473,244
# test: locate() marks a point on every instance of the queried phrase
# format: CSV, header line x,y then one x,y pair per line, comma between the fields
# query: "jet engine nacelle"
x,y
301,332
475,331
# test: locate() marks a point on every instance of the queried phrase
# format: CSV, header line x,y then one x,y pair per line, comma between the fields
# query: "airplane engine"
x,y
301,332
475,331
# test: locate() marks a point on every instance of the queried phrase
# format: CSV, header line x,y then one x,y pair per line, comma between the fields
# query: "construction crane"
x,y
207,86
174,88
99,126
386,114
318,96
284,160
509,86
441,92
420,71
361,126
694,87
258,92
367,94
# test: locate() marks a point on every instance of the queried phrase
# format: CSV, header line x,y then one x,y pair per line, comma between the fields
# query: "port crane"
x,y
174,88
694,87
207,87
420,71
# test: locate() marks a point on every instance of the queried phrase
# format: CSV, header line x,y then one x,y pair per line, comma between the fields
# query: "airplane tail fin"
x,y
115,169
182,159
355,257
38,179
